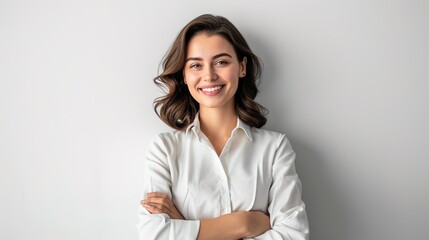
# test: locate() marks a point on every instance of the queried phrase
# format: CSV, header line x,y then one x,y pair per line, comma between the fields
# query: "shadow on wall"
x,y
326,206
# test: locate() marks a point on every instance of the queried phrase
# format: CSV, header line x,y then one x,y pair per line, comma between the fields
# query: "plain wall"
x,y
347,81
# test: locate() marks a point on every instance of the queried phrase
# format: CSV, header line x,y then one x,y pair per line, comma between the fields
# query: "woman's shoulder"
x,y
169,137
272,140
265,134
270,137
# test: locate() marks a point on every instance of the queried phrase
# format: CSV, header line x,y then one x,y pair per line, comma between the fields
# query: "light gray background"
x,y
347,81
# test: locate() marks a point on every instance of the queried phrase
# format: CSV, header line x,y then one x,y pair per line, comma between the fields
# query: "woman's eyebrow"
x,y
221,55
214,57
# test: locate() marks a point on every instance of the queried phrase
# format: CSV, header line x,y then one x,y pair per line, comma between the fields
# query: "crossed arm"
x,y
232,226
160,219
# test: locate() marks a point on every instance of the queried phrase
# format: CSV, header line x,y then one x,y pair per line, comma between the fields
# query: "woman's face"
x,y
212,71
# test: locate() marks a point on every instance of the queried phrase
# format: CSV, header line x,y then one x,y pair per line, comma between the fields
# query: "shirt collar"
x,y
244,127
196,129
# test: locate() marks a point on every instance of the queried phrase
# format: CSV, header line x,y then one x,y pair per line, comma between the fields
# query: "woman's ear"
x,y
243,65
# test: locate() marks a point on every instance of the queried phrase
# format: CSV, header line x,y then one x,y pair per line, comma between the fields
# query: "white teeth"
x,y
211,89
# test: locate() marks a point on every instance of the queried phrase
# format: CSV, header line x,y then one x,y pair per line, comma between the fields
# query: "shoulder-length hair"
x,y
177,108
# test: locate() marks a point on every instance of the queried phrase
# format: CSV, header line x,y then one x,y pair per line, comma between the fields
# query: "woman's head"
x,y
178,108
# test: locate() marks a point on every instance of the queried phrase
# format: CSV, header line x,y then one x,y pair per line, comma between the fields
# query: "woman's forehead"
x,y
207,46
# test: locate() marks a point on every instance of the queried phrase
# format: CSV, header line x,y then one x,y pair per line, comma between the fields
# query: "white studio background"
x,y
347,82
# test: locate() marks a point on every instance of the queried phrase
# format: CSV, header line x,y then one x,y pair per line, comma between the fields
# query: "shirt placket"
x,y
224,187
223,181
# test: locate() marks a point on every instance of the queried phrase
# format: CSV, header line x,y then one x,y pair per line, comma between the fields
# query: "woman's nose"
x,y
210,74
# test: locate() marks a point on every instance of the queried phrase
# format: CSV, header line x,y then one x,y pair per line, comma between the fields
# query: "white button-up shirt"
x,y
255,171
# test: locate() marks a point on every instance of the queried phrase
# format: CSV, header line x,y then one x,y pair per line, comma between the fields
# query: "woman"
x,y
218,175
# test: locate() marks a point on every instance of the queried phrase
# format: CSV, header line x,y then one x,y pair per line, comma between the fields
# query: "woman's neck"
x,y
217,121
217,125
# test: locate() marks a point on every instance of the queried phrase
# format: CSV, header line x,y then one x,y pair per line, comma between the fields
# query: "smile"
x,y
212,89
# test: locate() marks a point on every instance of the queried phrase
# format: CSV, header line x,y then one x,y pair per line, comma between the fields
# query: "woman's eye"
x,y
221,62
194,65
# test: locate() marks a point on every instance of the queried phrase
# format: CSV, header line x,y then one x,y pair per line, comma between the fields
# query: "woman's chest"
x,y
205,185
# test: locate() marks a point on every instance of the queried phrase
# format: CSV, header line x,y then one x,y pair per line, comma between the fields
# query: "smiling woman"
x,y
213,76
218,176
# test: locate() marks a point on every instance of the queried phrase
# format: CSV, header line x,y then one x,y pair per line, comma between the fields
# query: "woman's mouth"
x,y
211,91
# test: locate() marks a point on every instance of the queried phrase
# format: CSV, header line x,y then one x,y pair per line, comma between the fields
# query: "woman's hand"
x,y
157,202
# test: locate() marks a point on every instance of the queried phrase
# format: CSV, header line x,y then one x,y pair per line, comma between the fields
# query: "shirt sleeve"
x,y
287,211
158,179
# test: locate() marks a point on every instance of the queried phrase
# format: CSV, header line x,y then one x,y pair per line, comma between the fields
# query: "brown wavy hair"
x,y
177,108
